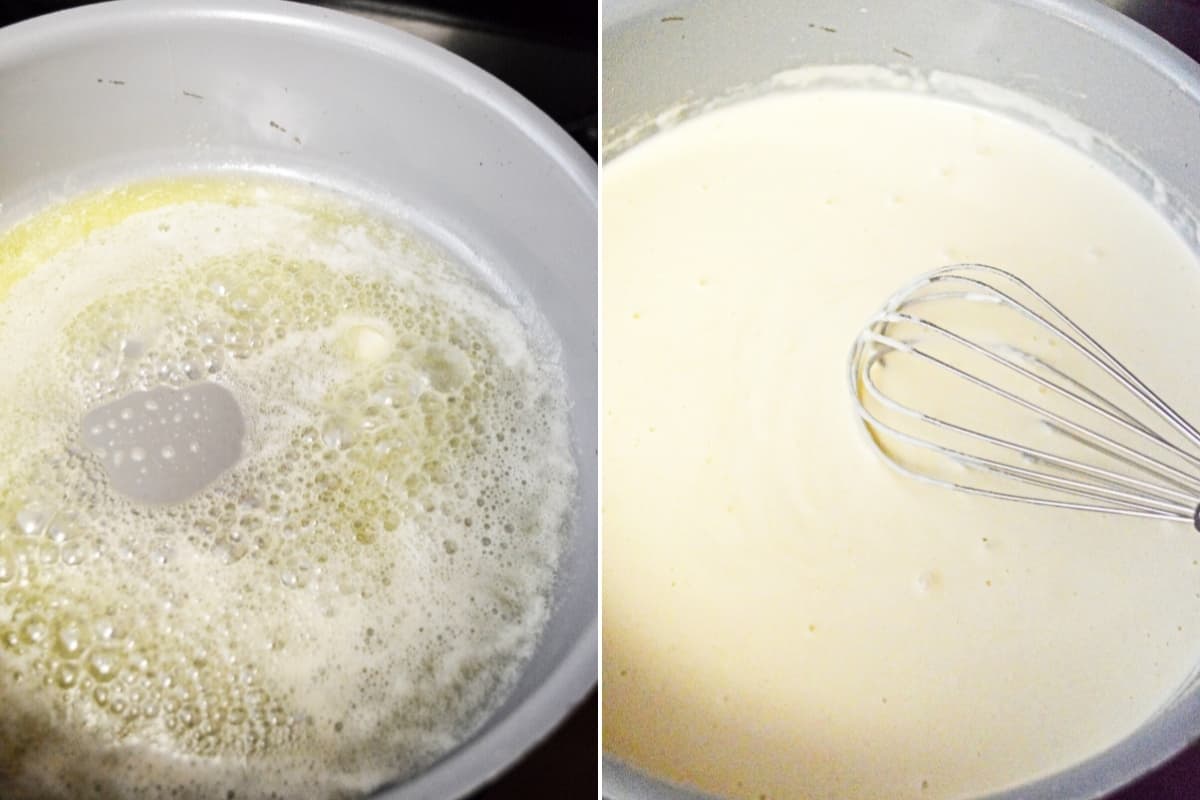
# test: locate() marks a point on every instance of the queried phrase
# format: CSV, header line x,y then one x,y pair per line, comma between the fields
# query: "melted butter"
x,y
31,242
348,598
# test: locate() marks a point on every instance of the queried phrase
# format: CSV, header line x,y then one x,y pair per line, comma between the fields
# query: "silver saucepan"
x,y
1076,57
110,92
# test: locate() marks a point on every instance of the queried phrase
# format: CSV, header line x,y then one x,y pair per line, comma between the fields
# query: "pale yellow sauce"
x,y
784,617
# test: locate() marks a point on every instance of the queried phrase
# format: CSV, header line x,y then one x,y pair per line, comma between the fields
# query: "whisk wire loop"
x,y
1112,480
1093,349
1092,451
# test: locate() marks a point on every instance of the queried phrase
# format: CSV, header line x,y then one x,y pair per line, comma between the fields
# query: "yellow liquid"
x,y
347,601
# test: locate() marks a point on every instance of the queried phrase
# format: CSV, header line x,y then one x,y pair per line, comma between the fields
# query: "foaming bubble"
x,y
32,519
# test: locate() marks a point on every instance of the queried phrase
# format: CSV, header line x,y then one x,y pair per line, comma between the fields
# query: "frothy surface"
x,y
343,604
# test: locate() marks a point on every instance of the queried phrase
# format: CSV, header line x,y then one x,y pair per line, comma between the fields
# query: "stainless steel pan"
x,y
1074,56
113,91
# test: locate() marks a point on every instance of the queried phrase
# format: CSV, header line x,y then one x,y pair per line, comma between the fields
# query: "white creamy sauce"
x,y
784,616
340,606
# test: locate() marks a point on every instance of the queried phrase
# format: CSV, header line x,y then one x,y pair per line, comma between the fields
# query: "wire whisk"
x,y
970,379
